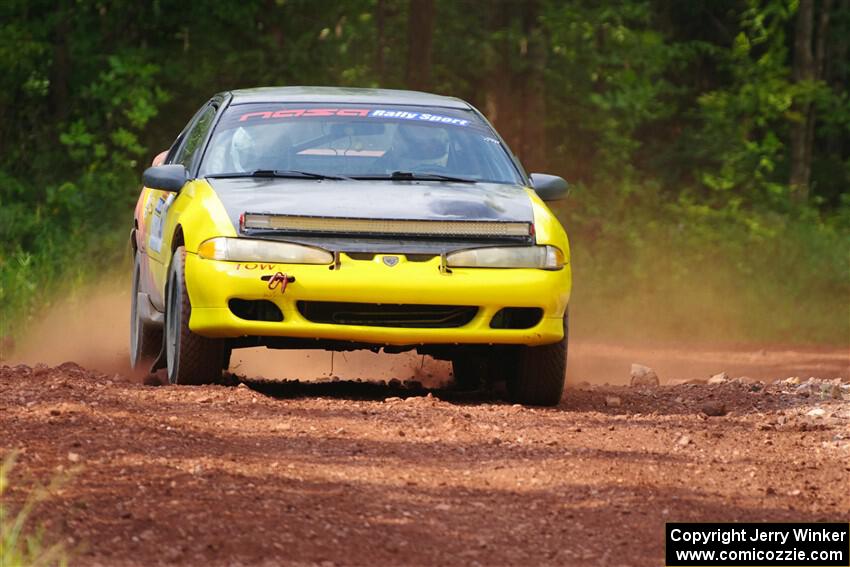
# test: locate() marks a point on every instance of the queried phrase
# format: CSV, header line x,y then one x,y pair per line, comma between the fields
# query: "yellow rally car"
x,y
343,219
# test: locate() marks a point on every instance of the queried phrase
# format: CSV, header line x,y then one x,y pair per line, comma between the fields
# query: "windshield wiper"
x,y
411,176
279,173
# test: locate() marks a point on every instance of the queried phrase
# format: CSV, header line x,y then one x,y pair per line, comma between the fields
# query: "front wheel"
x,y
190,358
541,373
474,370
469,372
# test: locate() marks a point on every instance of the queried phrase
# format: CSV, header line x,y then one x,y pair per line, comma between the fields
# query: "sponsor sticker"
x,y
305,112
158,219
255,266
354,113
421,116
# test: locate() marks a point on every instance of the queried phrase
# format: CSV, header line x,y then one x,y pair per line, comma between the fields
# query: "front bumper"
x,y
211,284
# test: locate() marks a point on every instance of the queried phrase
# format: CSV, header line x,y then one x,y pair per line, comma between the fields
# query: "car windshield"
x,y
357,141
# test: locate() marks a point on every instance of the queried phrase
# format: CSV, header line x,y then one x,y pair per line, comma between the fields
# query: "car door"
x,y
160,214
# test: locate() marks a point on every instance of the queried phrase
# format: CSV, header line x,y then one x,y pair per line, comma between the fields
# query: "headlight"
x,y
247,250
542,257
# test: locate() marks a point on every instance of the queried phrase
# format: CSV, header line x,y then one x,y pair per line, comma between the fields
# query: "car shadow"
x,y
365,391
690,399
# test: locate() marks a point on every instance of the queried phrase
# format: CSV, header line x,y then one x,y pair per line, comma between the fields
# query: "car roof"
x,y
343,95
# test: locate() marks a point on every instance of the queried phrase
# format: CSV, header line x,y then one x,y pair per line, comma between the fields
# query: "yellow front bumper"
x,y
211,284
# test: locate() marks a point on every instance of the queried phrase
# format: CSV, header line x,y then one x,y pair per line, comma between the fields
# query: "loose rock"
x,y
816,412
643,376
613,401
835,391
713,408
804,390
721,378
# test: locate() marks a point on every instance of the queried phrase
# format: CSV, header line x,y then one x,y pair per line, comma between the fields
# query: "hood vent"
x,y
387,227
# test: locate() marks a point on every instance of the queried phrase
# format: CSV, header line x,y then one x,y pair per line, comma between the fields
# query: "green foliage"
x,y
126,97
684,271
742,121
20,545
75,222
609,65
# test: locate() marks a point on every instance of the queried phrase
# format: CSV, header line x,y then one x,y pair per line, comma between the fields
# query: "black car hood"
x,y
409,200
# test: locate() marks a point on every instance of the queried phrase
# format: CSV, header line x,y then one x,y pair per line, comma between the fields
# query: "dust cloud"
x,y
91,328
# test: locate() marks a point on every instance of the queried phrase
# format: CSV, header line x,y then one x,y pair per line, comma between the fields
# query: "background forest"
x,y
707,141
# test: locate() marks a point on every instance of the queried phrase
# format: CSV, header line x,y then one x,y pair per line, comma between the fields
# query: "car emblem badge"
x,y
390,260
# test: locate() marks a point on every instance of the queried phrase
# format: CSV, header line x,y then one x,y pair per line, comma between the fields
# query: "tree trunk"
x,y
380,25
499,85
515,101
820,45
533,118
420,35
60,70
273,23
837,77
808,67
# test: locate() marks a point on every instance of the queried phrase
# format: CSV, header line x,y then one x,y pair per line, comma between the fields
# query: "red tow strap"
x,y
280,279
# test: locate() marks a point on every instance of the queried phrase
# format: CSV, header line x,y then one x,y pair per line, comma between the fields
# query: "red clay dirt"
x,y
352,473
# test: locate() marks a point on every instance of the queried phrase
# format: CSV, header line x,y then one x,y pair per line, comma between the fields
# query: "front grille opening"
x,y
255,309
420,257
368,256
377,315
516,318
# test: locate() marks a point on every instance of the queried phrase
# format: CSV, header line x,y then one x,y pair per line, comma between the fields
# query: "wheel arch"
x,y
177,239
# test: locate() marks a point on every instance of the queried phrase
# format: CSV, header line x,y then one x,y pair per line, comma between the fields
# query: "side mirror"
x,y
165,177
549,187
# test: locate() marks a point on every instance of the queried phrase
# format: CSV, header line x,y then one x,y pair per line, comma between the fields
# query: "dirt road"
x,y
349,473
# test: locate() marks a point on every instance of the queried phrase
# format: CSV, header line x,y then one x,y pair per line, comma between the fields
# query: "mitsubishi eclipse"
x,y
340,219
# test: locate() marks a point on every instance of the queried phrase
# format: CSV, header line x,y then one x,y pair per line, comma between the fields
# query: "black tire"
x,y
541,373
190,358
469,371
145,339
227,352
473,371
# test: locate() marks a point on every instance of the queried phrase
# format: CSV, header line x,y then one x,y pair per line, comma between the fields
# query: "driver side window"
x,y
192,145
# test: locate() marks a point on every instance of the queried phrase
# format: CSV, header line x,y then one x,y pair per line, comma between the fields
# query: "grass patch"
x,y
57,267
22,545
